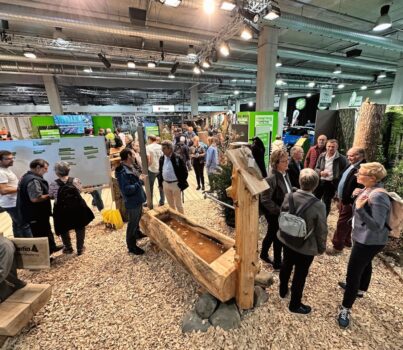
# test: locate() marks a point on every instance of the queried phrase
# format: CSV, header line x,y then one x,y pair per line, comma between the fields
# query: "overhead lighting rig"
x,y
384,21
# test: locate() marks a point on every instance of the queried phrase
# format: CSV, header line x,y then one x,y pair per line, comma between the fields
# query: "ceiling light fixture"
x,y
278,63
250,104
171,76
224,49
246,33
285,93
151,64
236,92
131,64
333,96
233,80
104,60
87,70
59,36
364,87
209,6
196,69
340,86
337,69
272,11
384,21
192,52
29,53
171,3
311,84
308,95
227,6
382,75
378,91
280,82
206,63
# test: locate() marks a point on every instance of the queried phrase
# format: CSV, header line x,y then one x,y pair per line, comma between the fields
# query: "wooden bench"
x,y
20,307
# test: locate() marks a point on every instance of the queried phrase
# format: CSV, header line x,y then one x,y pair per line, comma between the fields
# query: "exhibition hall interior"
x,y
201,174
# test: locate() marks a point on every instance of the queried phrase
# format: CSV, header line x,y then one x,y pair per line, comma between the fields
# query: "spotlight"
x,y
308,95
272,11
208,6
196,69
206,63
171,76
340,86
364,87
382,75
227,6
192,52
286,94
151,64
59,36
224,49
131,64
280,82
278,63
246,33
250,104
311,84
337,70
384,21
29,53
174,68
233,80
87,70
378,91
104,60
333,96
171,3
236,92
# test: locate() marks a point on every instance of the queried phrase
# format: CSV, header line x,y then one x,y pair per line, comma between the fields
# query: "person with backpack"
x,y
182,150
70,211
371,212
299,250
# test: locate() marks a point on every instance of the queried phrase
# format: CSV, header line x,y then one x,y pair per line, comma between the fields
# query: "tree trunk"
x,y
368,130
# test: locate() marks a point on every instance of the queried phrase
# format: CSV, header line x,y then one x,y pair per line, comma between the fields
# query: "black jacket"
x,y
180,171
272,199
29,211
293,172
350,184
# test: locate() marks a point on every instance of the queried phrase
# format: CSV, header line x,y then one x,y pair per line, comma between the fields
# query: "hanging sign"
x,y
163,108
325,96
276,101
355,101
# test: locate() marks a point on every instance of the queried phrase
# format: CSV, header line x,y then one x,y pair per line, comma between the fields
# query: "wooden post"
x,y
143,154
246,238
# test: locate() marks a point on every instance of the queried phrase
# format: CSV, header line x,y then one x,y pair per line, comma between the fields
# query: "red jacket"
x,y
312,156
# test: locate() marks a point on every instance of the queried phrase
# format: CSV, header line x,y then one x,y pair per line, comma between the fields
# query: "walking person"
x,y
271,201
8,195
33,202
348,183
314,152
300,257
70,212
131,183
154,153
198,157
370,234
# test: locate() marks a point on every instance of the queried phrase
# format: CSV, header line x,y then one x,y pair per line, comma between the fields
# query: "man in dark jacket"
x,y
172,176
329,167
131,187
347,184
295,165
33,202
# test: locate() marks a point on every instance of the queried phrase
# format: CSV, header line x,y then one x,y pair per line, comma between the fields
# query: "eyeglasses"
x,y
359,174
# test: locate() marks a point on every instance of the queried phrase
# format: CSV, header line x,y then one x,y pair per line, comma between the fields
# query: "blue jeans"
x,y
97,199
152,176
132,231
20,230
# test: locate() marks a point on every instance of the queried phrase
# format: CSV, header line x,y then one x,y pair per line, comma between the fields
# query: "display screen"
x,y
49,133
73,124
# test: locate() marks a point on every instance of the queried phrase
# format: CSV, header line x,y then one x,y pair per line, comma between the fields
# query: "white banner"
x,y
163,108
325,96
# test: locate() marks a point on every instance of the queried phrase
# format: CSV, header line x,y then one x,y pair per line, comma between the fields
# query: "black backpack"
x,y
68,196
118,142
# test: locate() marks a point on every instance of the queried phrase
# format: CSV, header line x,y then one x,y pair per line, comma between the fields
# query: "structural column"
x,y
282,114
52,91
396,97
194,100
266,68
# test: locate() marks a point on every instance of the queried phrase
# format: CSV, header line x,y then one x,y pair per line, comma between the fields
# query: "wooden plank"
x,y
14,317
35,295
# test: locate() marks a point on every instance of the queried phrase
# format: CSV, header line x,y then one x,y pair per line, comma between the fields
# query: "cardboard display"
x,y
32,253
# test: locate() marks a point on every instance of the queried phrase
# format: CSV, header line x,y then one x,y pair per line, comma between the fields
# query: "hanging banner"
x,y
163,108
325,96
276,101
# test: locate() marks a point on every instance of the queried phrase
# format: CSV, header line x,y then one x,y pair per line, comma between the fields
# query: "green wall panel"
x,y
102,121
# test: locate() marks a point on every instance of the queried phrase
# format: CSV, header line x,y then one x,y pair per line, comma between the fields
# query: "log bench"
x,y
18,309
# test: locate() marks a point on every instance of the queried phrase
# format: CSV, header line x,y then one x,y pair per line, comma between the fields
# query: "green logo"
x,y
301,103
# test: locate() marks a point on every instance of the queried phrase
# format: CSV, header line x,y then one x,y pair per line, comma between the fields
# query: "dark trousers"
x,y
80,237
41,228
325,191
20,230
199,171
97,199
359,271
133,229
151,177
301,263
271,237
342,235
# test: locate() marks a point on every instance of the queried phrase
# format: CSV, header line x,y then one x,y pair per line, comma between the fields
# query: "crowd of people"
x,y
304,188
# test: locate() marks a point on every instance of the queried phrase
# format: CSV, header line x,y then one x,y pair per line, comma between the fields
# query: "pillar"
x,y
52,92
396,97
282,114
194,100
266,68
237,106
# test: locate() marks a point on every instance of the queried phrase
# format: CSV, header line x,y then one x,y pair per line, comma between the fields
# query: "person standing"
x,y
271,201
33,202
300,257
154,153
131,183
314,152
295,166
121,135
348,183
8,195
329,167
370,234
198,155
173,176
212,162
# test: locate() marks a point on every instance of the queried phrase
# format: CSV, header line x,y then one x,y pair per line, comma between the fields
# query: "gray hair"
x,y
167,144
62,168
295,149
308,179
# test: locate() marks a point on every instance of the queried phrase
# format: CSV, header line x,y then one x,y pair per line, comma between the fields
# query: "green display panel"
x,y
49,133
102,122
152,130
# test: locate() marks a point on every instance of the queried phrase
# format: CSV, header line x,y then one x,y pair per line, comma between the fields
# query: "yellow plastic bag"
x,y
112,219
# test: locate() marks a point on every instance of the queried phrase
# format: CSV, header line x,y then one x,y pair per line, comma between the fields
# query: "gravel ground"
x,y
107,299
